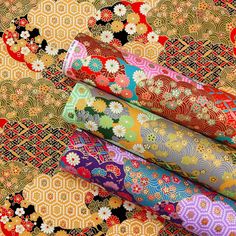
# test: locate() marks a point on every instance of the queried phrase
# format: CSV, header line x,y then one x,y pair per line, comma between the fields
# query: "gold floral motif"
x,y
11,9
14,176
228,80
200,19
37,100
100,3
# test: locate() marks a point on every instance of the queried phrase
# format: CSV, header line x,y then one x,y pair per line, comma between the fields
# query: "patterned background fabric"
x,y
34,38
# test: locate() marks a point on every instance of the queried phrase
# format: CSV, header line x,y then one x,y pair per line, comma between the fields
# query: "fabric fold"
x,y
202,108
163,192
151,137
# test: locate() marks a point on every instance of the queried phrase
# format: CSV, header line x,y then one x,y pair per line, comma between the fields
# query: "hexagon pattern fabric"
x,y
60,23
58,199
34,38
199,214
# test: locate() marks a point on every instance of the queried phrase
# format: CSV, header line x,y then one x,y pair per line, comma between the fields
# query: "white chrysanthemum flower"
x,y
106,36
129,206
98,15
73,159
119,131
86,61
104,213
112,66
138,76
25,50
19,211
51,50
38,65
120,10
138,148
47,229
91,126
234,139
152,37
20,229
116,107
90,101
10,41
145,8
25,34
115,88
130,28
142,118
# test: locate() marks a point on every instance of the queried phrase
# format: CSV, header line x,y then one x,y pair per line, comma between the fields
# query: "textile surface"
x,y
151,137
164,92
144,183
36,197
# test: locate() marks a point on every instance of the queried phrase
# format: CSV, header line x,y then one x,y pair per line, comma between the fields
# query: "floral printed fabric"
x,y
200,107
123,22
143,183
18,217
25,44
175,19
152,137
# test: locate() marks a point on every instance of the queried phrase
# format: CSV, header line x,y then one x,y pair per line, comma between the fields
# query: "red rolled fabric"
x,y
202,108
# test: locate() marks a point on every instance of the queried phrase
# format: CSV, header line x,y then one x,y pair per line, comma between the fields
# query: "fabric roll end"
x,y
68,60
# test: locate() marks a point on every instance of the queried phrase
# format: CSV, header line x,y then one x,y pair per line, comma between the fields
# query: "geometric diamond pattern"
x,y
38,144
229,5
200,60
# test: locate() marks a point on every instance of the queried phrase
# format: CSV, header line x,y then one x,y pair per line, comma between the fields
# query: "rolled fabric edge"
x,y
68,60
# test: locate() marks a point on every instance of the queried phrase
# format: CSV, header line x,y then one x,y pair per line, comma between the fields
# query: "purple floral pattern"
x,y
135,180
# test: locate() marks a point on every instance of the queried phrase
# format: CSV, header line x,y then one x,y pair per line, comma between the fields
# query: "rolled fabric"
x,y
151,137
172,197
202,108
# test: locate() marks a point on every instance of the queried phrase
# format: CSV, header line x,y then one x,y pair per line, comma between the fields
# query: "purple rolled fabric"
x,y
172,197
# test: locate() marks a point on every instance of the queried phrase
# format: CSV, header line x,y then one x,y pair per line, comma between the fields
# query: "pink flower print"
x,y
122,80
135,164
136,188
102,80
166,178
176,179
